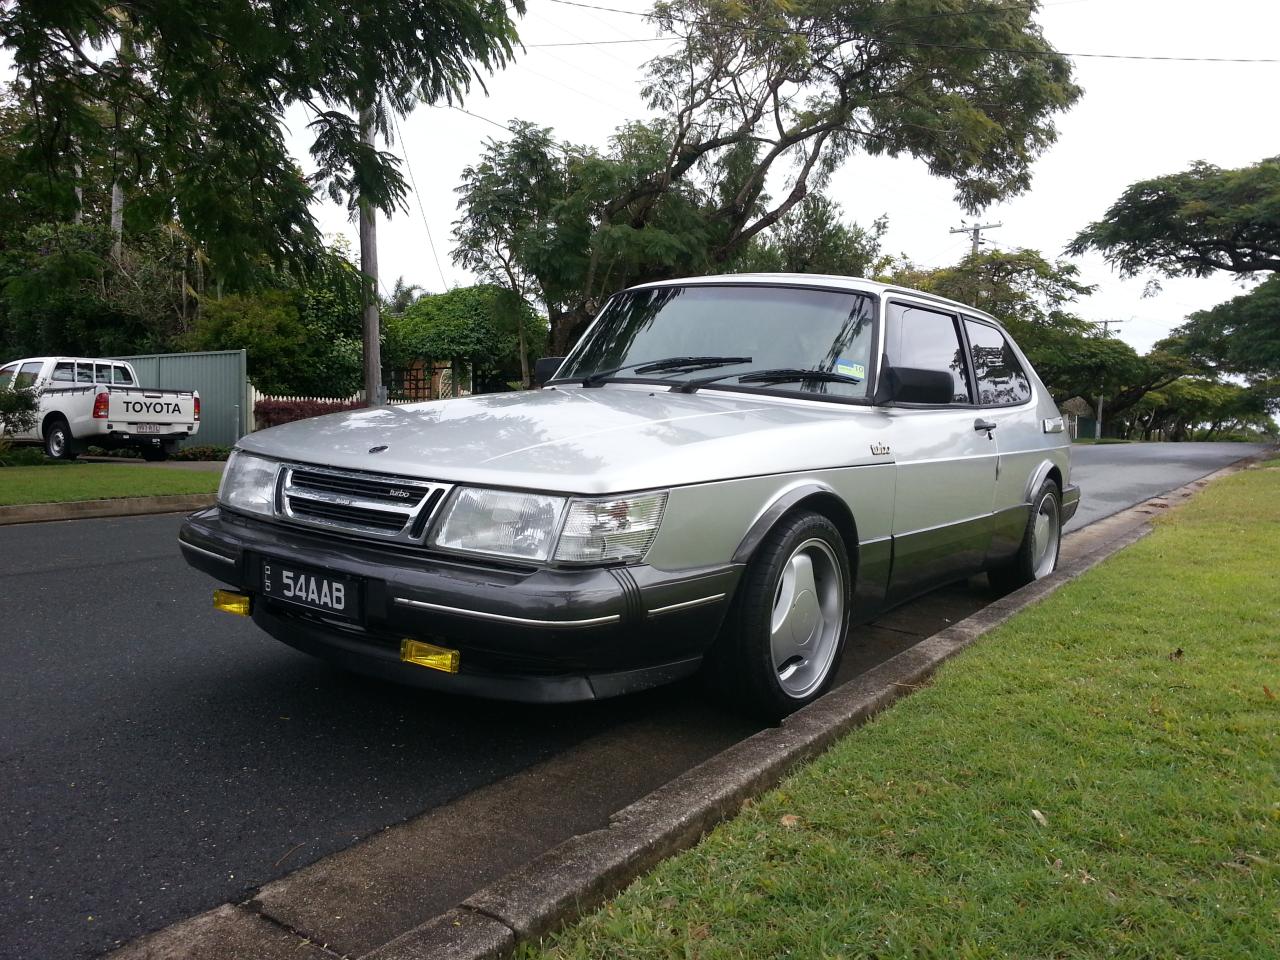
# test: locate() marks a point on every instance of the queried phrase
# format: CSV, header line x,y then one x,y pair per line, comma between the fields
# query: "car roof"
x,y
832,281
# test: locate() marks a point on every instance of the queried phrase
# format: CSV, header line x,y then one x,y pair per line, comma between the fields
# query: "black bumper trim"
x,y
1070,501
544,634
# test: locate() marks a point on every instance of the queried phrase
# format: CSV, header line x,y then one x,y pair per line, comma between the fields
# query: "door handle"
x,y
987,425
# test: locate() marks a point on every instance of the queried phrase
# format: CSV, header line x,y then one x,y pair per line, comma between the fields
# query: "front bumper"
x,y
534,634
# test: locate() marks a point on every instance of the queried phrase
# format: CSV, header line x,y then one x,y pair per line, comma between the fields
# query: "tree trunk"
x,y
566,327
373,392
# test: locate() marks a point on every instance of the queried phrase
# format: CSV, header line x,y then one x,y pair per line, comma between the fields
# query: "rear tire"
x,y
781,644
1037,556
58,442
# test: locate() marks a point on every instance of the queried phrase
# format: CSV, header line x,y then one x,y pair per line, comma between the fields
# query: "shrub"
x,y
272,413
202,452
23,456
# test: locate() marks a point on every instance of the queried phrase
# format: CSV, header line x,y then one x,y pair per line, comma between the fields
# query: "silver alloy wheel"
x,y
57,442
808,617
1046,532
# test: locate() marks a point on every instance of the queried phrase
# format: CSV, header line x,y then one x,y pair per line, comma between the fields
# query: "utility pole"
x,y
1097,420
976,233
374,393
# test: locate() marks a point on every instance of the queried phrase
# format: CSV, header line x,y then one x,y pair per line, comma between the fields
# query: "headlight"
x,y
610,528
521,526
248,484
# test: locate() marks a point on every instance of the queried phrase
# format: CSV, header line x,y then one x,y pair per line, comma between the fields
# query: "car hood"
x,y
579,440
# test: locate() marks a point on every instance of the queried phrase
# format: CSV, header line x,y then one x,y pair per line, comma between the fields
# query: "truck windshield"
x,y
766,327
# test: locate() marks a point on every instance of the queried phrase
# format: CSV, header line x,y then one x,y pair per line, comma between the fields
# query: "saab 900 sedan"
x,y
724,475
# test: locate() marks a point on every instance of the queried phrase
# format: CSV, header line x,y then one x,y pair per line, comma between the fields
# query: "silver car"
x,y
723,476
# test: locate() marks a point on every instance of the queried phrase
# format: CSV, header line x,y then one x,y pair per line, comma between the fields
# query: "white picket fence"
x,y
255,395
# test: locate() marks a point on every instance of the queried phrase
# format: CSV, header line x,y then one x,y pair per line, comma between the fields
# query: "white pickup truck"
x,y
97,401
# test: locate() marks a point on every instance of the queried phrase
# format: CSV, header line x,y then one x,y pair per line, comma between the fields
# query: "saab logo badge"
x,y
879,449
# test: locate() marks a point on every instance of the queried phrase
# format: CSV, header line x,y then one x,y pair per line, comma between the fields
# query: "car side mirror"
x,y
545,368
914,385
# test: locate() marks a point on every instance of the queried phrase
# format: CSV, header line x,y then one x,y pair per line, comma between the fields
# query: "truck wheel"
x,y
781,645
58,442
1037,557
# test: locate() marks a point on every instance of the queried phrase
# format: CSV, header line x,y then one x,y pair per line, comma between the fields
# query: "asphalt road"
x,y
158,758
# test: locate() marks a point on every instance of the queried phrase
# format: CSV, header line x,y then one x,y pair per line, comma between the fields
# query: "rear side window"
x,y
27,375
928,340
122,375
102,372
6,375
84,373
1001,379
65,371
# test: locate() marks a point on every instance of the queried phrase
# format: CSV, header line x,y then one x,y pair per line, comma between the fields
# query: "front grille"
x,y
367,504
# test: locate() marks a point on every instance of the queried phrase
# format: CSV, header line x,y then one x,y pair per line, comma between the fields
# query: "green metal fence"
x,y
222,378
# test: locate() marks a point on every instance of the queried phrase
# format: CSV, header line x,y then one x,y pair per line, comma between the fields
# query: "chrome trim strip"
x,y
207,553
687,604
503,618
347,500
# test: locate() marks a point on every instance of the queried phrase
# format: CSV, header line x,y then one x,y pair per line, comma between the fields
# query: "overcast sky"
x,y
1136,119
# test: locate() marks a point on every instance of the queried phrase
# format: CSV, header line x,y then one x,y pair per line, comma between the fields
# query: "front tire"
x,y
58,442
1037,556
781,645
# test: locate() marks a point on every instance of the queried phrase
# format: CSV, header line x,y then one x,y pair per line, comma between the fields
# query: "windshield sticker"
x,y
850,369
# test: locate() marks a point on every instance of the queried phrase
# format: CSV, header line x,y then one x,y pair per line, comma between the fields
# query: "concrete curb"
x,y
87,509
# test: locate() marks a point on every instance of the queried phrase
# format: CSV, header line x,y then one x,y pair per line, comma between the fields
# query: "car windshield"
x,y
776,327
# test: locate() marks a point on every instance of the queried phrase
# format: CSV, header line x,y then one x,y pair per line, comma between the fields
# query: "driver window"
x,y
927,340
6,375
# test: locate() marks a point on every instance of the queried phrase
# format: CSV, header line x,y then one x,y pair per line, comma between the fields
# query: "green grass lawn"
x,y
1098,778
97,481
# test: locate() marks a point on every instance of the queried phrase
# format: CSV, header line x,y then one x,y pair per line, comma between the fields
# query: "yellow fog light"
x,y
230,602
429,655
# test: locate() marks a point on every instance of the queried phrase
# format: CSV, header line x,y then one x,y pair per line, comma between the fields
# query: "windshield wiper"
x,y
674,364
778,375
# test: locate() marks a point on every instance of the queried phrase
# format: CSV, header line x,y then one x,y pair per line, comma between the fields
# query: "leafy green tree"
x,y
1193,223
813,238
475,327
299,339
187,99
1240,336
792,87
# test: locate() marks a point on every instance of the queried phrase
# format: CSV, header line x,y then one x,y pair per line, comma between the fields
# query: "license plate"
x,y
316,590
147,428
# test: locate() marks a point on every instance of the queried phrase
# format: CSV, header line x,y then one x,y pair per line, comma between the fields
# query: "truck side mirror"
x,y
913,385
545,368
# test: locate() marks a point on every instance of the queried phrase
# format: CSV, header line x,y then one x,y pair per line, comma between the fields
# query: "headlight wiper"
x,y
778,375
673,364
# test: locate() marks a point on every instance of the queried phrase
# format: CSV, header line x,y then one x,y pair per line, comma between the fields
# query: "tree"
x,y
188,98
1241,336
812,238
468,326
1193,223
402,297
759,88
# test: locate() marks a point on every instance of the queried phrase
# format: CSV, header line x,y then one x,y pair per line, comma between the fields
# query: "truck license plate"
x,y
316,590
147,428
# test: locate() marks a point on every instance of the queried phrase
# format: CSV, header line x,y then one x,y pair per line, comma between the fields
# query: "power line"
x,y
975,48
404,145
